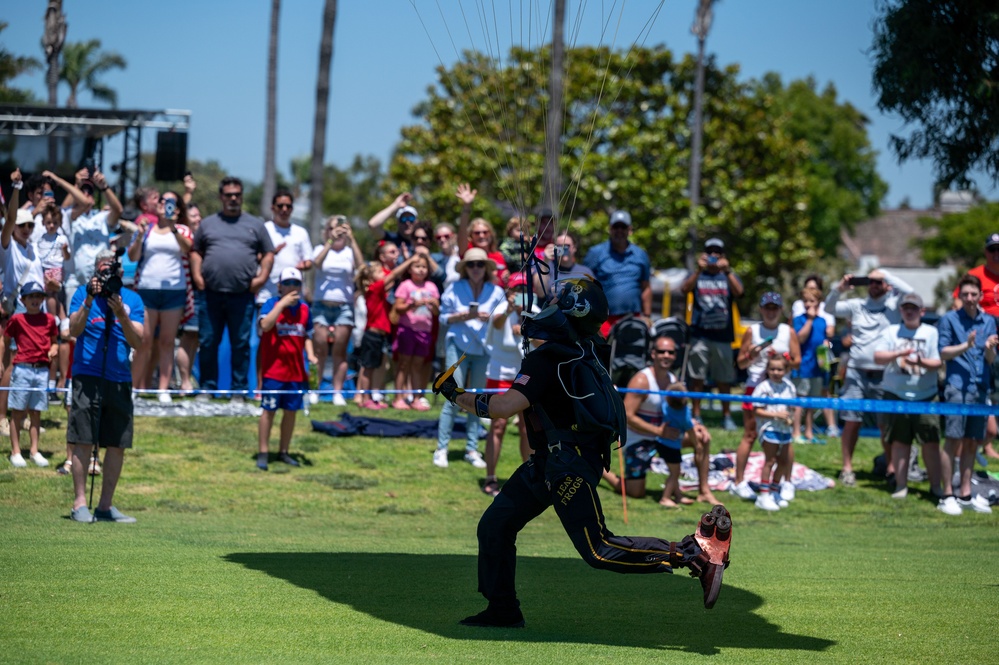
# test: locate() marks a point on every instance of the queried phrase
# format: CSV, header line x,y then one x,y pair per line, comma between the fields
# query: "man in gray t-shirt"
x,y
231,259
869,318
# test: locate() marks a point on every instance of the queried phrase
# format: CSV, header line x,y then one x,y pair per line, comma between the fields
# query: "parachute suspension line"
x,y
558,372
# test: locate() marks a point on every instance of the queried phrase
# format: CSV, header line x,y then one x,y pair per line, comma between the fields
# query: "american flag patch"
x,y
522,379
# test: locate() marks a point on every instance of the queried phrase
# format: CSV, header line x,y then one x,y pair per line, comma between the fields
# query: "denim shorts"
x,y
162,300
325,314
28,386
963,427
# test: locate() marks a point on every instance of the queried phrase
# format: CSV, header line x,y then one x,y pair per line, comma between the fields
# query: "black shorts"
x,y
374,346
99,400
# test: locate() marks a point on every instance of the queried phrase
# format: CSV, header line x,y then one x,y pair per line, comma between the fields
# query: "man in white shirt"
x,y
292,246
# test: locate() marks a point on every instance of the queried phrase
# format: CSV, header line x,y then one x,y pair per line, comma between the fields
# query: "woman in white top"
x,y
161,282
466,308
762,340
333,308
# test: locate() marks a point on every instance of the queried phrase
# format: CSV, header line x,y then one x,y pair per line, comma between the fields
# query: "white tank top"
x,y
161,267
651,409
782,344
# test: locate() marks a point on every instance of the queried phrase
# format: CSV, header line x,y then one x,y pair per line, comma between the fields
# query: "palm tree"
x,y
319,126
52,43
270,133
82,64
12,66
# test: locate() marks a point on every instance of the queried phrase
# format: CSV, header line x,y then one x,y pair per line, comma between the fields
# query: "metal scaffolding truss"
x,y
95,125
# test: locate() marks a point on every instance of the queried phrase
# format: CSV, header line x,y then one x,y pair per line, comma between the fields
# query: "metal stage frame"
x,y
96,126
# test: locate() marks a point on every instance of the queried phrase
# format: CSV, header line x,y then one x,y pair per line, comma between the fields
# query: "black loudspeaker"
x,y
171,156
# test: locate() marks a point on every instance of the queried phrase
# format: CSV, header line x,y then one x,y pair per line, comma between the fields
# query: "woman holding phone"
x,y
161,282
466,308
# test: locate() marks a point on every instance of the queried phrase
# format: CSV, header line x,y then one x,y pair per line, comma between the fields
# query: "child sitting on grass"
x,y
677,420
285,324
775,436
34,332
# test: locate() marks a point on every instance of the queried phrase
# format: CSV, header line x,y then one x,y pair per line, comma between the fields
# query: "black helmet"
x,y
584,304
576,311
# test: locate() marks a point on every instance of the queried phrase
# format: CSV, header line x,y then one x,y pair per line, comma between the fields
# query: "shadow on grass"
x,y
563,600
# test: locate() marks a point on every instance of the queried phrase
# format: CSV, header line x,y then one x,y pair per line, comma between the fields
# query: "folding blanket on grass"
x,y
721,473
184,408
349,425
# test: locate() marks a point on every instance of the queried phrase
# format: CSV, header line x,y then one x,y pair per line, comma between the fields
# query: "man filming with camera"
x,y
107,321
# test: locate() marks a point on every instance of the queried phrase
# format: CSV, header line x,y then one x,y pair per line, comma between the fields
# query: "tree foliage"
x,y
12,66
959,236
936,64
625,144
844,187
83,63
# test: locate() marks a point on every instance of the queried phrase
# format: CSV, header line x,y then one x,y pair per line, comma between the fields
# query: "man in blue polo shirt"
x,y
968,344
623,270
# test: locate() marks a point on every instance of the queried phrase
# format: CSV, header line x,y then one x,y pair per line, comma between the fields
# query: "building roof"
x,y
892,237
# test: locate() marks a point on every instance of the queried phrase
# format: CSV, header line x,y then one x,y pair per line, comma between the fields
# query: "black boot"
x,y
496,617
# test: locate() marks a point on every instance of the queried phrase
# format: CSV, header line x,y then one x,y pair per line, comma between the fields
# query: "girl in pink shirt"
x,y
418,302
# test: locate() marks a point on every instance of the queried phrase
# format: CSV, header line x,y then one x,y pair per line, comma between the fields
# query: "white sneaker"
x,y
440,458
742,490
900,494
40,460
18,461
977,504
165,398
787,491
949,506
423,402
728,424
474,457
338,400
781,502
313,397
765,501
833,431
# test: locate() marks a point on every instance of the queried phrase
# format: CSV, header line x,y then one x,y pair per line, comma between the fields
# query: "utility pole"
x,y
553,131
702,24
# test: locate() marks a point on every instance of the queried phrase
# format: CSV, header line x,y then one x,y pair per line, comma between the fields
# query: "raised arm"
x,y
383,215
466,195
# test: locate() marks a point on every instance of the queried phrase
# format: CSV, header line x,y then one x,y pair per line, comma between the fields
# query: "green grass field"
x,y
367,554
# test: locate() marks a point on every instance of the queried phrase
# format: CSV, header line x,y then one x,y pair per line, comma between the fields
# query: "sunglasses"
x,y
476,264
481,233
993,248
665,352
407,220
283,206
443,236
232,195
29,225
291,282
876,281
421,238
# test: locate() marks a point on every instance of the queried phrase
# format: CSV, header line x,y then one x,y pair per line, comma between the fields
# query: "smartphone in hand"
x,y
860,281
473,308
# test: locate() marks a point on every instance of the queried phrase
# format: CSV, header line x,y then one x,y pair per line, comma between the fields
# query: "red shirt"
x,y
282,346
990,289
378,309
34,334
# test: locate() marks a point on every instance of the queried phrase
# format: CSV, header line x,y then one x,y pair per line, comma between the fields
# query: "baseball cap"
x,y
620,217
517,279
406,211
991,240
31,287
911,299
714,242
771,298
291,273
24,217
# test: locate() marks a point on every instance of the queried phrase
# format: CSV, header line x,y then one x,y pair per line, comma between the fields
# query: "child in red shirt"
x,y
285,323
35,334
374,282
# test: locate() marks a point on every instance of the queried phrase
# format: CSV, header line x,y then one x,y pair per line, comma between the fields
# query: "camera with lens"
x,y
109,278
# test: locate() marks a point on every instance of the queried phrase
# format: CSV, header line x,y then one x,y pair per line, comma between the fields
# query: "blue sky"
x,y
210,57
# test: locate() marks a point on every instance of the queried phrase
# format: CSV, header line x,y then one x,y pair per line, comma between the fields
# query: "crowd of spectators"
x,y
437,294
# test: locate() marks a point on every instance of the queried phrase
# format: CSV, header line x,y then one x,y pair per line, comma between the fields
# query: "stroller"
x,y
629,340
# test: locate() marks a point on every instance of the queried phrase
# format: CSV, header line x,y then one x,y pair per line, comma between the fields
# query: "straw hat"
x,y
475,254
